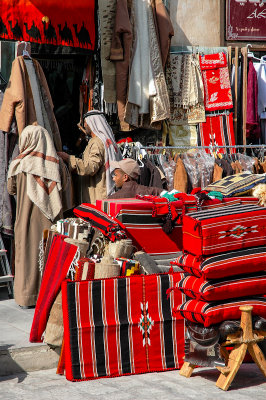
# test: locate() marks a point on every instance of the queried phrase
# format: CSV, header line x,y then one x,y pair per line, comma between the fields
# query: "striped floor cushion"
x,y
224,229
121,326
222,265
224,288
216,312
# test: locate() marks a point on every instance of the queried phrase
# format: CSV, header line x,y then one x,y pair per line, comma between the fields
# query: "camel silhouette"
x,y
3,30
17,32
83,35
33,32
66,34
49,33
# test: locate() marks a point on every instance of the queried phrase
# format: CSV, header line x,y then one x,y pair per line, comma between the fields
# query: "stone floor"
x,y
45,385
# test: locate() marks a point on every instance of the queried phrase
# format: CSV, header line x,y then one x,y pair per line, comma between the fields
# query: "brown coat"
x,y
131,188
91,168
18,100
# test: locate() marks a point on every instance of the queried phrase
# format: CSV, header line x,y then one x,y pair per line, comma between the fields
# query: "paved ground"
x,y
15,323
46,385
15,326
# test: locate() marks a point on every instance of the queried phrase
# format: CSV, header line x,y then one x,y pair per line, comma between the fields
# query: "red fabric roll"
x,y
59,260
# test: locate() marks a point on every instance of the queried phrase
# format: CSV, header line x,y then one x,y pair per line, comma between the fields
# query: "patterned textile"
x,y
100,127
224,288
217,89
182,135
217,131
145,230
184,80
65,23
121,326
39,161
224,229
128,267
113,207
85,269
109,226
237,185
226,264
185,87
216,312
61,259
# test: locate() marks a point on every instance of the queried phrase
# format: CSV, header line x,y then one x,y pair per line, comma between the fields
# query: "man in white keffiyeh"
x,y
94,167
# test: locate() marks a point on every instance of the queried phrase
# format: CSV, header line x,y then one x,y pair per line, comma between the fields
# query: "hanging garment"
x,y
252,124
65,23
153,174
260,69
217,89
164,28
37,178
8,143
180,178
199,166
120,53
217,131
148,100
107,11
185,87
182,135
20,99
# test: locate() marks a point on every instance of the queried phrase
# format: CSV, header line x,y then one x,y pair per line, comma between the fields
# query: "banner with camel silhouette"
x,y
66,23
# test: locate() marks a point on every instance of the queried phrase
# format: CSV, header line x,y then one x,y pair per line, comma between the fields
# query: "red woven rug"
x,y
121,326
217,131
59,260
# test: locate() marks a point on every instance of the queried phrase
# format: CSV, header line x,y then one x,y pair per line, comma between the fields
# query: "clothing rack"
x,y
239,146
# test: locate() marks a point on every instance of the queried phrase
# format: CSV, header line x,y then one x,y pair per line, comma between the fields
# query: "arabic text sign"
x,y
246,20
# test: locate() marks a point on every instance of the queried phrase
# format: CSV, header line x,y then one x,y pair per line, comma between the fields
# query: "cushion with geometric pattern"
x,y
237,185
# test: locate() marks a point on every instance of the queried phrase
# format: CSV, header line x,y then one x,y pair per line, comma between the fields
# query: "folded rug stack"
x,y
225,269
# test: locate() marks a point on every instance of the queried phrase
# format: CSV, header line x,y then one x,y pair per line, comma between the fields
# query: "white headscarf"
x,y
39,160
100,127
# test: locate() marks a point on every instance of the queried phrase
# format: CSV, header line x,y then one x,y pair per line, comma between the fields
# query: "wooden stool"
x,y
243,341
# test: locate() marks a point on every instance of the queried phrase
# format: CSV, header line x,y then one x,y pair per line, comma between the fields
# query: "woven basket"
x,y
107,268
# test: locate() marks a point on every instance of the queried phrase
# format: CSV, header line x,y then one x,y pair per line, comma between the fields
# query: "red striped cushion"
x,y
226,264
222,289
224,229
216,312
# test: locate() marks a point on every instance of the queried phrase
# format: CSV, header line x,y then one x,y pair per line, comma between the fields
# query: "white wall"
x,y
197,22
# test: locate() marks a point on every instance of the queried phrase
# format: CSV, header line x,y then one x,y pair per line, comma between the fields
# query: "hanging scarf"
x,y
100,127
39,161
215,75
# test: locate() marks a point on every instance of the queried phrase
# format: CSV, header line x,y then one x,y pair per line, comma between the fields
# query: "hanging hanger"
x,y
251,54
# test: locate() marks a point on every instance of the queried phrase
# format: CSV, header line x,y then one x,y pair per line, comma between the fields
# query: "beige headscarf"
x,y
39,161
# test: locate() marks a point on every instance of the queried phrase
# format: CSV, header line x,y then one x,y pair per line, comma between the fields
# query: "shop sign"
x,y
67,23
246,20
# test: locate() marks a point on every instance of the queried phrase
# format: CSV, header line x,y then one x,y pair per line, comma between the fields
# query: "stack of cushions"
x,y
224,270
237,185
